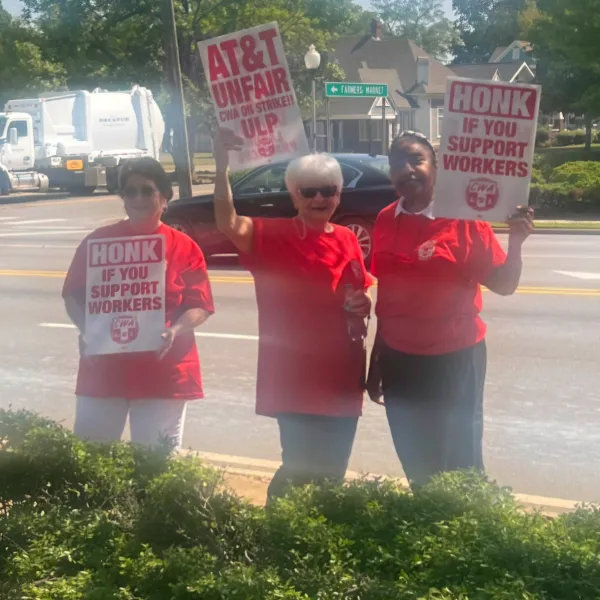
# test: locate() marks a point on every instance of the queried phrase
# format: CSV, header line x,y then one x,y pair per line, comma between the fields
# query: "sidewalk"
x,y
249,478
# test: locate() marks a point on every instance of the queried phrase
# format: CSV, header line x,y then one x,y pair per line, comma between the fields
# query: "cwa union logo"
x,y
482,194
124,330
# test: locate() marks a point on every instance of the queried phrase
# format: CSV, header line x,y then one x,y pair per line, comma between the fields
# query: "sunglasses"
x,y
146,191
327,191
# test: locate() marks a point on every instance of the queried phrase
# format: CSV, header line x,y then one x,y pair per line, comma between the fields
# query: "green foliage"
x,y
566,46
27,67
89,522
577,175
570,138
542,136
485,25
422,21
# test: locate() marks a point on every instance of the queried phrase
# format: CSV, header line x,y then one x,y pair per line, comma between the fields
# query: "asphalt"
x,y
542,395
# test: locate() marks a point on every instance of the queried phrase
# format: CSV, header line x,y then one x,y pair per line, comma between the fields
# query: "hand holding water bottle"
x,y
357,304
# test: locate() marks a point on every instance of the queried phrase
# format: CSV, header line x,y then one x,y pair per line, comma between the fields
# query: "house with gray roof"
x,y
416,83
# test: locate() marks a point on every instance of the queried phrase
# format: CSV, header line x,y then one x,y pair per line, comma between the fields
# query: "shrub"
x,y
168,529
577,175
571,138
542,136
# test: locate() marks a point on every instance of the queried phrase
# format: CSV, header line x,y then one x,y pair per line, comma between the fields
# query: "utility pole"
x,y
181,147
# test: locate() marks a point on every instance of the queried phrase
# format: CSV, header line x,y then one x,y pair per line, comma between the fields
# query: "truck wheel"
x,y
4,184
82,191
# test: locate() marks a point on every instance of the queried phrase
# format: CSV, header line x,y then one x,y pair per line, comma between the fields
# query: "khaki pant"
x,y
152,421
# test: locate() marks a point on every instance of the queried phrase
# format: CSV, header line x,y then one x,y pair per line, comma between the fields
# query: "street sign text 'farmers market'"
x,y
355,90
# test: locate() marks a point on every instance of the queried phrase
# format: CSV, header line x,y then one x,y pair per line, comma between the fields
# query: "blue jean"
x,y
313,448
434,407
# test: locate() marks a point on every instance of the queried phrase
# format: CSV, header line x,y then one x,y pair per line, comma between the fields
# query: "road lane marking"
x,y
36,233
37,221
523,290
38,246
201,334
7,218
580,275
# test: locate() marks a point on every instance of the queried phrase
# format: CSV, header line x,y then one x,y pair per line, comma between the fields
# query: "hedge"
x,y
98,522
570,138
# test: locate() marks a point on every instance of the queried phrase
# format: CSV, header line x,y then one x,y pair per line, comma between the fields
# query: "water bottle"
x,y
357,330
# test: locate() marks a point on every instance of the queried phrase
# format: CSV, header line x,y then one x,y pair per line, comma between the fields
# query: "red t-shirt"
x,y
429,273
141,374
306,361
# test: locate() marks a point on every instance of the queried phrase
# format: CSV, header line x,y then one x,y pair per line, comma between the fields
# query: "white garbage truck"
x,y
75,141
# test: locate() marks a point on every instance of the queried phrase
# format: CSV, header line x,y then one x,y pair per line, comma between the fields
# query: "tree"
x,y
484,25
26,69
422,21
566,42
115,43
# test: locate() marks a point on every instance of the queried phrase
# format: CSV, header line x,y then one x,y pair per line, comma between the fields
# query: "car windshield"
x,y
2,126
377,162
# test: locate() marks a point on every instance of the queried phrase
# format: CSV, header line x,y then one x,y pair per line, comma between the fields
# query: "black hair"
x,y
149,168
413,136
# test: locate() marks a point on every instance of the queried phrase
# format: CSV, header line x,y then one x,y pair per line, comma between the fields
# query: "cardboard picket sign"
x,y
486,150
125,294
253,95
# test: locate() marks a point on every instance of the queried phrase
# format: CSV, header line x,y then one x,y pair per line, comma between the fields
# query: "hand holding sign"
x,y
168,337
226,142
520,225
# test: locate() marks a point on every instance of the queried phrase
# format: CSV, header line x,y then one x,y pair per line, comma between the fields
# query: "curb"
x,y
262,470
555,231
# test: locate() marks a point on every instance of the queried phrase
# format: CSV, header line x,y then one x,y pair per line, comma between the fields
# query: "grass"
x,y
202,161
557,155
574,225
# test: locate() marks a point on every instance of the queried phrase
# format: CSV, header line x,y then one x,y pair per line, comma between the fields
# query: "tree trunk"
x,y
588,133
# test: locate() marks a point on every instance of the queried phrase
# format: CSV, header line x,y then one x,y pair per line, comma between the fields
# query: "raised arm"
x,y
237,228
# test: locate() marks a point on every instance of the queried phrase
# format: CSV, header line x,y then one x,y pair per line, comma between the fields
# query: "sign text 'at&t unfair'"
x,y
253,95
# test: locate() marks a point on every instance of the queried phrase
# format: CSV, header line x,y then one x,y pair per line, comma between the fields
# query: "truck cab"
x,y
17,150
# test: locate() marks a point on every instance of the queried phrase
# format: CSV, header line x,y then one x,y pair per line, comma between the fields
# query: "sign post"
x,y
253,95
335,89
486,150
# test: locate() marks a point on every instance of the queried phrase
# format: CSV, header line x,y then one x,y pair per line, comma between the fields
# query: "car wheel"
x,y
181,226
4,183
363,230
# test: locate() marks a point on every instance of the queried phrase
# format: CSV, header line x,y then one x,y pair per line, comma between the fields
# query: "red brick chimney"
x,y
376,29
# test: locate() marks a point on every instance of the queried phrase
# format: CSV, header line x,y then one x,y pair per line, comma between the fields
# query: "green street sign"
x,y
355,90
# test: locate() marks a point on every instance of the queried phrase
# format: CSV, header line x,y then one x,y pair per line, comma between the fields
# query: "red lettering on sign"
x,y
493,100
126,252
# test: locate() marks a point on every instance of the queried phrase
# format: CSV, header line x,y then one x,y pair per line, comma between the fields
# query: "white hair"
x,y
313,169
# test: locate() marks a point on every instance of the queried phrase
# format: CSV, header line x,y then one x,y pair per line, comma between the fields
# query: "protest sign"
x,y
486,150
253,95
125,294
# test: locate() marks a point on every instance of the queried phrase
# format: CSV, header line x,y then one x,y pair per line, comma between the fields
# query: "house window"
x,y
376,130
406,121
440,121
516,53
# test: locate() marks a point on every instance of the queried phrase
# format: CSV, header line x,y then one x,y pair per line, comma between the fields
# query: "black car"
x,y
262,193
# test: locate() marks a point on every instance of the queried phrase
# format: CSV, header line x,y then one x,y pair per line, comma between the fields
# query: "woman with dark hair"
x,y
153,388
430,350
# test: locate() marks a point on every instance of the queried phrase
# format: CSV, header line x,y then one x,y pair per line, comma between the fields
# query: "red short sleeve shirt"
x,y
306,362
429,273
142,375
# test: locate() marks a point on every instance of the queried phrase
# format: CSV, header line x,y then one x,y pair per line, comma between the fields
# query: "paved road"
x,y
542,398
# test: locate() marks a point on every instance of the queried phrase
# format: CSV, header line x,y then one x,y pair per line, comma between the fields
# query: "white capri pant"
x,y
151,421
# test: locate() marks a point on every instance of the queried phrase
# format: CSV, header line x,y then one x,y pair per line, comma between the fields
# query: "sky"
x,y
13,6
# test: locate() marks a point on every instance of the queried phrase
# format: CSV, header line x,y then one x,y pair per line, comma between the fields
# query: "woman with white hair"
x,y
311,291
